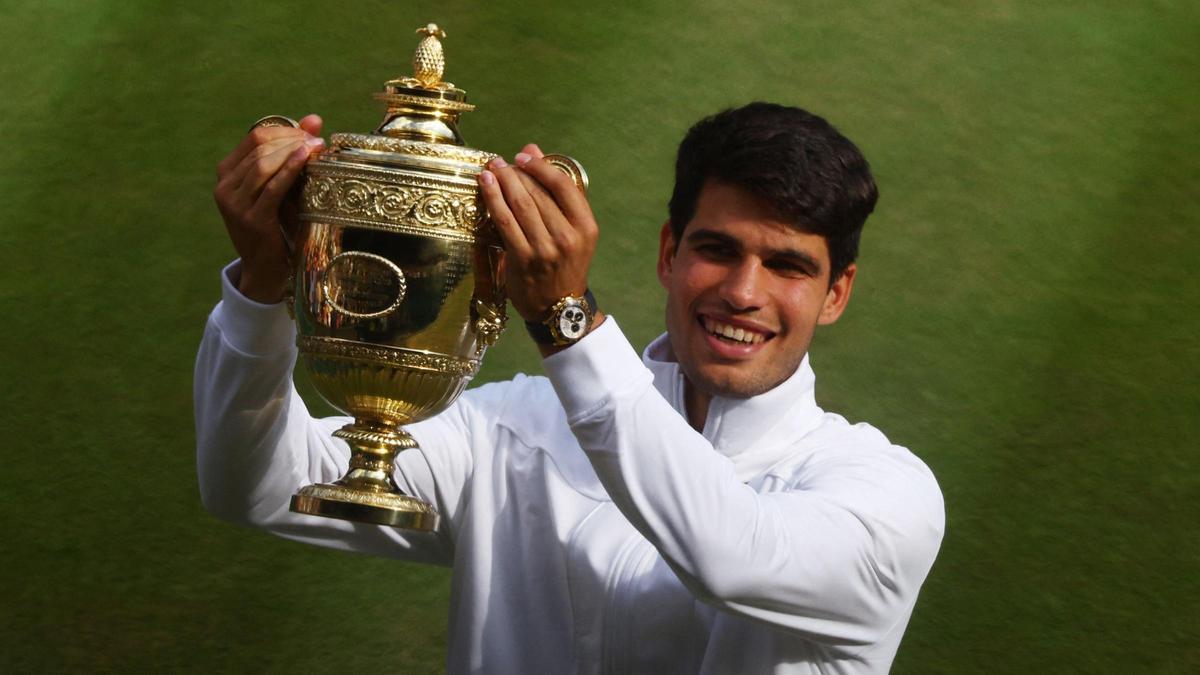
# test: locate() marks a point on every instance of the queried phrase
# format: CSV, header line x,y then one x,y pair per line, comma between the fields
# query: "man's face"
x,y
744,293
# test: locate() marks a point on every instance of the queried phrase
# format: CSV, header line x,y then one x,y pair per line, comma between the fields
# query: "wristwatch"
x,y
567,321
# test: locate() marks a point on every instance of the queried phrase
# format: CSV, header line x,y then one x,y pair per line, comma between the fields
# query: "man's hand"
x,y
251,185
547,227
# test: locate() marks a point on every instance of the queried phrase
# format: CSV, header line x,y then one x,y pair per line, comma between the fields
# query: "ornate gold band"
x,y
381,508
388,356
387,227
394,440
396,99
409,147
391,200
384,500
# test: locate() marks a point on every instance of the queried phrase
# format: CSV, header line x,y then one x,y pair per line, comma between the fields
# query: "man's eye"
x,y
791,269
715,250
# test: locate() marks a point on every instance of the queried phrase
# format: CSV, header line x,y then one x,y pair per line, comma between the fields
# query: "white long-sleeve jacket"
x,y
590,528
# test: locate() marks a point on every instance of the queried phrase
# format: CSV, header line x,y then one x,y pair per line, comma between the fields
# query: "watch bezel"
x,y
547,330
554,321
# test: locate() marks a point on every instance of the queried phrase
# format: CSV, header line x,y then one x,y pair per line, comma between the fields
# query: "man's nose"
x,y
743,286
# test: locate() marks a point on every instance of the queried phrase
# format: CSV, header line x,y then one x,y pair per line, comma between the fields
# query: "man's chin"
x,y
730,382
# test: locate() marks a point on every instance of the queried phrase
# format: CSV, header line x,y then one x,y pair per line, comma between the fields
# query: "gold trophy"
x,y
398,283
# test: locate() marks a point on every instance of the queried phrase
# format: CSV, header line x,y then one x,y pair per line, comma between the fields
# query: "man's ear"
x,y
666,252
838,296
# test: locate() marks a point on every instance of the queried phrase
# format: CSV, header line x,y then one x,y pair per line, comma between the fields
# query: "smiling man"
x,y
689,510
745,290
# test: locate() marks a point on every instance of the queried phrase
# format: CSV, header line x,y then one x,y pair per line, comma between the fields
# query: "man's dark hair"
x,y
796,162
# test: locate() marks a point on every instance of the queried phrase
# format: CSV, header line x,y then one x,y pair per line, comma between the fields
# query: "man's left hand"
x,y
548,230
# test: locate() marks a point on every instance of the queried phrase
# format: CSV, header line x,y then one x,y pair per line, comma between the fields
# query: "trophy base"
x,y
364,506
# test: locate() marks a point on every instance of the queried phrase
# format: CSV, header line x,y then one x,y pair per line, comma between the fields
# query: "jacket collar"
x,y
754,433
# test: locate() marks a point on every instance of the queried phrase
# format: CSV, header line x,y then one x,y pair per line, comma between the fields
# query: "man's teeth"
x,y
731,333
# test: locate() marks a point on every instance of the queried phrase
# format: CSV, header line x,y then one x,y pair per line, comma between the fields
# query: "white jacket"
x,y
590,528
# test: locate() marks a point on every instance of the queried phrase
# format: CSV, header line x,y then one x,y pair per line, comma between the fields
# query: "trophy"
x,y
398,283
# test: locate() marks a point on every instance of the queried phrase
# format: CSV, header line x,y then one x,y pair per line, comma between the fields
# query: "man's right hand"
x,y
252,183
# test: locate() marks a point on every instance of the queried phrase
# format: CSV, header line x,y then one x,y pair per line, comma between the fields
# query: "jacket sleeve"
x,y
256,443
836,554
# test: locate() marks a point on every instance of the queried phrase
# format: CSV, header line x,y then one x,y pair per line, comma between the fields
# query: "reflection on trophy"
x,y
398,283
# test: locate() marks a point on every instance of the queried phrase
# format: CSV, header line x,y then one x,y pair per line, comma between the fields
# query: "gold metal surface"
x,y
428,61
275,121
398,198
397,284
406,147
571,167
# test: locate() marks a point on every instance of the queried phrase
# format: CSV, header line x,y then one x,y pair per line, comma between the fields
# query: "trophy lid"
x,y
420,128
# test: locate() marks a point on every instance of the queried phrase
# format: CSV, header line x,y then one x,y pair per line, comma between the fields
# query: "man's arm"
x,y
839,558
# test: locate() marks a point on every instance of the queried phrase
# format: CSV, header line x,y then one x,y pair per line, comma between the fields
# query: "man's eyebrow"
x,y
701,234
792,256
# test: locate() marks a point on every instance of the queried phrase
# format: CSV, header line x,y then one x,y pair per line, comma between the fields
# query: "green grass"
x,y
1025,318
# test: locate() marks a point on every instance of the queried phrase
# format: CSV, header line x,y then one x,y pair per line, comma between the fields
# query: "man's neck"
x,y
696,403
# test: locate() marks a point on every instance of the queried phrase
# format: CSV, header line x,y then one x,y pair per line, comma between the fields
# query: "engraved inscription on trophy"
x,y
363,285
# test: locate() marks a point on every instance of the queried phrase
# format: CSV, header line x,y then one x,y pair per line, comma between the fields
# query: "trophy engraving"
x,y
363,285
397,284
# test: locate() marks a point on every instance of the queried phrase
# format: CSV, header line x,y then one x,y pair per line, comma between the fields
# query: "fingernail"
x,y
522,159
486,177
315,142
499,163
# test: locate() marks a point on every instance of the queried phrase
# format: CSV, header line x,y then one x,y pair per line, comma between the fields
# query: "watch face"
x,y
572,322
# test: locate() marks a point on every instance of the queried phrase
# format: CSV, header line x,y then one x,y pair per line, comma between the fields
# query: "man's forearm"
x,y
251,427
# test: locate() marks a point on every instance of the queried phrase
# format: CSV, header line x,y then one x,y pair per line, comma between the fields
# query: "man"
x,y
692,510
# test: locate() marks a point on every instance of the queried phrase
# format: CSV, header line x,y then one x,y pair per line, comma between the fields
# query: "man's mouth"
x,y
733,334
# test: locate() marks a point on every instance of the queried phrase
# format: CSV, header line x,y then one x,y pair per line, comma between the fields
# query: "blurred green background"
x,y
1025,318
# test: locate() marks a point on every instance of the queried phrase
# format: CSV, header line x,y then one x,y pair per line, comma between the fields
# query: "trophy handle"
x,y
571,167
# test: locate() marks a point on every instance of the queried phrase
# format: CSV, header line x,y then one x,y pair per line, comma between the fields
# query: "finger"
x,y
237,175
523,207
533,150
229,191
257,136
506,224
260,169
557,224
312,124
271,197
567,195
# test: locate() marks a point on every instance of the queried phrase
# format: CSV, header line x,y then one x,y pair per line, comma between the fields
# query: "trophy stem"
x,y
367,493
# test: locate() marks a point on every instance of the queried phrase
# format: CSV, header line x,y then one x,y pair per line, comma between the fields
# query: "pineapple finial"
x,y
428,62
